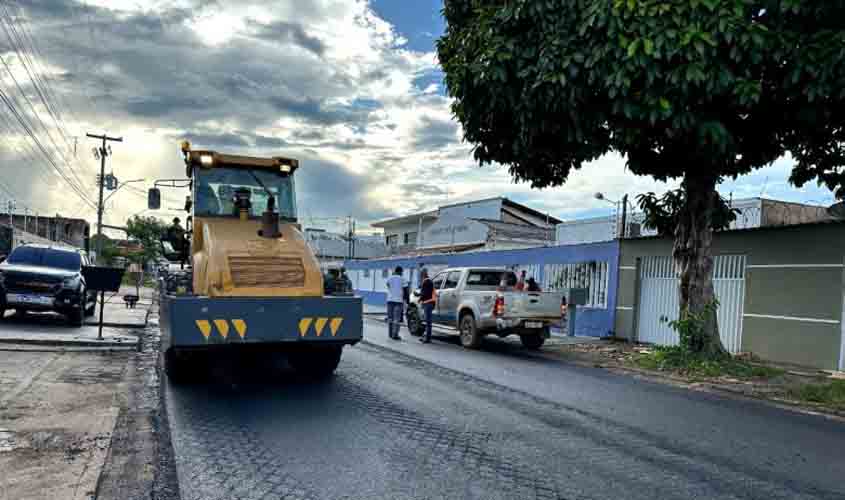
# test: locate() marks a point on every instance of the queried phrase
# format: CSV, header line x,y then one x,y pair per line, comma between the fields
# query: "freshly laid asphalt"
x,y
402,420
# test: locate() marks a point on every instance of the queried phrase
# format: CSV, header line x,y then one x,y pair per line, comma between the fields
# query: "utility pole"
x,y
104,152
624,232
11,206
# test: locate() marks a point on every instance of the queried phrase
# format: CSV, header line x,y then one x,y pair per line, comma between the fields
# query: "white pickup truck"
x,y
478,301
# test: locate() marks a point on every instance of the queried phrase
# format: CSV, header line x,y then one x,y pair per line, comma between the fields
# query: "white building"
x,y
494,223
753,212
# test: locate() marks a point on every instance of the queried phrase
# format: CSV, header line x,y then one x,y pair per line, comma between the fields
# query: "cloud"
x,y
286,31
433,133
327,81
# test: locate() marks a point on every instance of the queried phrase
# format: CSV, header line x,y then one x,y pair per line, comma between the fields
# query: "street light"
x,y
601,197
120,186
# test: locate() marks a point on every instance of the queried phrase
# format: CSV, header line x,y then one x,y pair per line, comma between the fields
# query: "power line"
x,y
38,84
40,146
29,128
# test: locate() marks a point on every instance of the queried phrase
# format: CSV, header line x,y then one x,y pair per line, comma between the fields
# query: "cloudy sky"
x,y
351,88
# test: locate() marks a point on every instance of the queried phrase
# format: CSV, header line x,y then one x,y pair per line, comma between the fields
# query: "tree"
x,y
109,252
697,90
148,231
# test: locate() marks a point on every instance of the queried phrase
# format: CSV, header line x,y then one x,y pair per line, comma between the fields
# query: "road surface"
x,y
412,421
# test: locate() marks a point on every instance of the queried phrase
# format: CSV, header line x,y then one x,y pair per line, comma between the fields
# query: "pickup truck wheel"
x,y
470,337
532,341
317,362
415,325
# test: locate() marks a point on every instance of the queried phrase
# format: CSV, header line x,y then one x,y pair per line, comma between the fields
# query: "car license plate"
x,y
533,324
17,298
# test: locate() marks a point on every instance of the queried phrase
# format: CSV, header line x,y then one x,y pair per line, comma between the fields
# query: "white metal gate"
x,y
659,300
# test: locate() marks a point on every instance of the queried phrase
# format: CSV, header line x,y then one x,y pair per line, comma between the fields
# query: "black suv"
x,y
46,278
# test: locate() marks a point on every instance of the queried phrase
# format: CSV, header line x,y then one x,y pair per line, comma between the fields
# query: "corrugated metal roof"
x,y
517,231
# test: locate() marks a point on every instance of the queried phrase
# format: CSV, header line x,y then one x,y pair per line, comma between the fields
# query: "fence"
x,y
593,266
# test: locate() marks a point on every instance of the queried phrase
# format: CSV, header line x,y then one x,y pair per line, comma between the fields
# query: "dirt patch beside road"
x,y
57,413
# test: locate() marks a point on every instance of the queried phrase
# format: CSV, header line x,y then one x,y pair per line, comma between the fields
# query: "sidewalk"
x,y
116,313
57,412
49,331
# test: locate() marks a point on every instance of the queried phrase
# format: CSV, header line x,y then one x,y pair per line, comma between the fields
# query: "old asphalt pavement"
x,y
411,421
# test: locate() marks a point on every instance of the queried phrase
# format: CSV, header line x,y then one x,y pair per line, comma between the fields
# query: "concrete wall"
x,y
580,231
597,322
793,290
454,229
483,209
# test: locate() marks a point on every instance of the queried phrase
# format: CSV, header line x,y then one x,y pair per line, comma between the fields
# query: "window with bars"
x,y
591,275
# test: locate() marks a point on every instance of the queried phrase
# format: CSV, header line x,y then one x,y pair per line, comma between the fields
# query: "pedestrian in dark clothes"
x,y
428,298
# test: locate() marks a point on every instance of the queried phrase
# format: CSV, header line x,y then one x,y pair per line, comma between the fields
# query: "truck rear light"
x,y
563,307
499,306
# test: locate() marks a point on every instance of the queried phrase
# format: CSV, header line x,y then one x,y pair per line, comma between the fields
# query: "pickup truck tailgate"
x,y
533,304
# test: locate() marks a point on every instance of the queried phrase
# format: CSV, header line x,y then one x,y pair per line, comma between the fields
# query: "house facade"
x,y
781,292
489,224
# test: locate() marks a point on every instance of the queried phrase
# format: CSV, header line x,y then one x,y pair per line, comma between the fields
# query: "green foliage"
x,y
711,88
683,362
663,213
831,394
148,232
691,327
109,252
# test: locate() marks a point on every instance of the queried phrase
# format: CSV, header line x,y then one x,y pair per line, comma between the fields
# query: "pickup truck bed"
x,y
481,301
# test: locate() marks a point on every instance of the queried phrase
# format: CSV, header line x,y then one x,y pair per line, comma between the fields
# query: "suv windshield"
x,y
215,191
46,257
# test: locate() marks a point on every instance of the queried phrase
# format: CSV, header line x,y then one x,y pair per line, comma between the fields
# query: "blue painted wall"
x,y
595,322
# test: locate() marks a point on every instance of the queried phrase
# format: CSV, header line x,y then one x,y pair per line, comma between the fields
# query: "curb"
x,y
69,343
48,348
131,326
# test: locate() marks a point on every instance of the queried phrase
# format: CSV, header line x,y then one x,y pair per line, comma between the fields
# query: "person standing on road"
x,y
395,300
428,298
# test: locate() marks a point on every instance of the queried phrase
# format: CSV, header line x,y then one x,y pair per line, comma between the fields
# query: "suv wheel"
x,y
77,316
91,310
470,338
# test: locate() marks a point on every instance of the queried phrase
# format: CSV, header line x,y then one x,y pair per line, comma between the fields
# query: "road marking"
x,y
240,327
320,324
222,327
335,325
793,318
205,327
304,324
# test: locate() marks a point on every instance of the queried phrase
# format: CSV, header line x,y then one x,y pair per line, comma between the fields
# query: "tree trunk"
x,y
694,262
